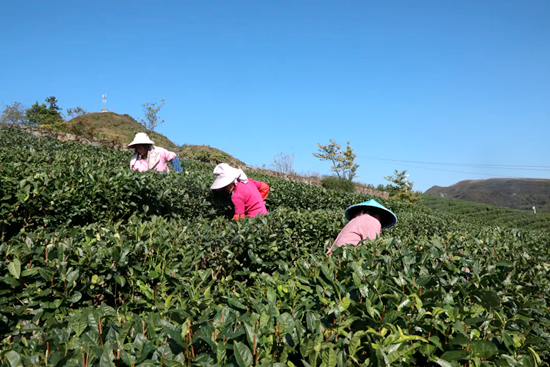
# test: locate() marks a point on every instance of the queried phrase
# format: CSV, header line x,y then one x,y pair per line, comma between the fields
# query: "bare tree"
x,y
77,111
14,114
151,120
283,163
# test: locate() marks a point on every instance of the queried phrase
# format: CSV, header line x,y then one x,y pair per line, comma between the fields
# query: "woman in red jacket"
x,y
247,195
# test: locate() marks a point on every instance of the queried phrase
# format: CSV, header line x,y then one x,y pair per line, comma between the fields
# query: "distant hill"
x,y
122,128
514,193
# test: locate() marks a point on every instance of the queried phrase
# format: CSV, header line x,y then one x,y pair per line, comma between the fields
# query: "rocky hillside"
x,y
513,193
121,129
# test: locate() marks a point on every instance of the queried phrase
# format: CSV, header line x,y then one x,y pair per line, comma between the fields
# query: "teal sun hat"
x,y
387,217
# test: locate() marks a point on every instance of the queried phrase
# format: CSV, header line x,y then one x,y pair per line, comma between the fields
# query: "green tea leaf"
x,y
329,358
14,268
72,276
483,349
286,323
79,324
75,297
242,355
455,355
14,359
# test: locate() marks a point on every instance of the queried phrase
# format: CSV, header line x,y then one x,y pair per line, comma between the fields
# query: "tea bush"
x,y
338,184
102,267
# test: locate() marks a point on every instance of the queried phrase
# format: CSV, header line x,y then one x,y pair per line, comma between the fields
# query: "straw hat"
x,y
140,138
225,174
387,217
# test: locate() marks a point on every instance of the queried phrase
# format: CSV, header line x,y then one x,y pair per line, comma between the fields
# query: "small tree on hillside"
x,y
283,163
343,162
52,101
14,114
40,114
77,111
150,110
400,187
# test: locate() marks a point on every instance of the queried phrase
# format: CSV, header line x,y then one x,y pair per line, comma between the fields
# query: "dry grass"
x,y
122,128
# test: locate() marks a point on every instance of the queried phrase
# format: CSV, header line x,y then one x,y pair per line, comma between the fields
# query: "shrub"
x,y
82,129
338,184
102,266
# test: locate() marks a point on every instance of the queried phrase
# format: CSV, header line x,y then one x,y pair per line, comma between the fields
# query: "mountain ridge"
x,y
516,193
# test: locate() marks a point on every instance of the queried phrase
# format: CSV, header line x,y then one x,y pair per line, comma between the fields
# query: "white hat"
x,y
141,138
225,174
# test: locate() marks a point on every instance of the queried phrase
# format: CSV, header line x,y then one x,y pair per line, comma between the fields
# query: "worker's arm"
x,y
239,207
176,164
262,187
264,190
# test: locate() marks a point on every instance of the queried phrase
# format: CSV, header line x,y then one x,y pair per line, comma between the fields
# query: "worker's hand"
x,y
238,216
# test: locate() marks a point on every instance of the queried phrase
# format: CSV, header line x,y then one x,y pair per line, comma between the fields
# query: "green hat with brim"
x,y
387,217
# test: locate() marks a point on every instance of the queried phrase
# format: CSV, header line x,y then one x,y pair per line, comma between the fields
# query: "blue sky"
x,y
436,81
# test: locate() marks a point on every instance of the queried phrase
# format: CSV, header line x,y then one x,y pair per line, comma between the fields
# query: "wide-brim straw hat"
x,y
387,217
225,174
141,138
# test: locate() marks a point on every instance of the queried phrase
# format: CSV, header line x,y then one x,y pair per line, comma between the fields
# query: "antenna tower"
x,y
104,109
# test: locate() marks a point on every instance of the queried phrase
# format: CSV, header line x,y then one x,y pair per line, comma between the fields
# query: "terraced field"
x,y
102,266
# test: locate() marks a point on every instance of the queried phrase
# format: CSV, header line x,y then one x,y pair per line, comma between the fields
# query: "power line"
x,y
448,170
380,160
471,165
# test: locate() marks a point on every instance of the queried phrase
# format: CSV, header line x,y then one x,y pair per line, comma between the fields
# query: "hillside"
x,y
104,266
491,215
122,128
513,193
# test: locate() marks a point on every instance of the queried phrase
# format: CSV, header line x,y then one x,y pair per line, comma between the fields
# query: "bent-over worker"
x,y
366,220
247,195
149,157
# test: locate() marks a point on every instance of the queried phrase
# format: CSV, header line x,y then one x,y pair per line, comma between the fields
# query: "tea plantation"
x,y
102,266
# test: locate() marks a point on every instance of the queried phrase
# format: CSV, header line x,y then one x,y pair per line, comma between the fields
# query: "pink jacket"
x,y
248,200
359,228
156,159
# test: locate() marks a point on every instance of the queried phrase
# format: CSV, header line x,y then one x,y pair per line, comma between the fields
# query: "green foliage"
x,y
400,187
40,114
485,214
206,154
102,266
82,128
338,184
14,114
150,110
52,101
343,162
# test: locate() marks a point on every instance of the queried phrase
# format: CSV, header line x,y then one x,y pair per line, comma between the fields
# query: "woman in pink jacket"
x,y
247,195
149,157
366,220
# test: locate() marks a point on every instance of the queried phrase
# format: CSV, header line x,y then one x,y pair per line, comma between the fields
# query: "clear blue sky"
x,y
438,81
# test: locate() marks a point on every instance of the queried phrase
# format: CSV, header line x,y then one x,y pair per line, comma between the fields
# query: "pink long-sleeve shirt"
x,y
247,199
165,156
359,228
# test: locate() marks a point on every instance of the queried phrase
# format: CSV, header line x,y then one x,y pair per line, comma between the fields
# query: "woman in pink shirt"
x,y
147,156
366,220
247,195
